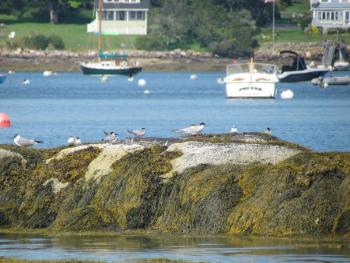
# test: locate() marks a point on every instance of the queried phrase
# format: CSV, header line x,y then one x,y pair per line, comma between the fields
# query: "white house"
x,y
122,17
330,14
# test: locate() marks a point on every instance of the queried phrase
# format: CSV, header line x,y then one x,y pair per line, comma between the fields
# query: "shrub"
x,y
56,42
37,41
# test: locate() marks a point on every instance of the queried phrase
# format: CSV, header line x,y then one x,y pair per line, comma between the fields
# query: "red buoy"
x,y
4,121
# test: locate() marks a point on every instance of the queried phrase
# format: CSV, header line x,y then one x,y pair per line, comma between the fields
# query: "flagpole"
x,y
273,26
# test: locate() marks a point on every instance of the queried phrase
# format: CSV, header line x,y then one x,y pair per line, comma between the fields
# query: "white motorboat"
x,y
251,80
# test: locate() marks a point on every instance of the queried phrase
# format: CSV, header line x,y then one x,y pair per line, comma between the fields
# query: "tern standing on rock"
x,y
110,137
194,129
24,142
234,130
268,131
74,141
137,133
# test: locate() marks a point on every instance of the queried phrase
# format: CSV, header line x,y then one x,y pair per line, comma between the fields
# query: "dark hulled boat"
x,y
108,63
298,71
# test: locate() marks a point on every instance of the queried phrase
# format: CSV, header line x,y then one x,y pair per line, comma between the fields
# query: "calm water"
x,y
51,109
195,249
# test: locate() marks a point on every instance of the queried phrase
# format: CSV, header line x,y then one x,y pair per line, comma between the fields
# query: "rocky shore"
x,y
230,184
179,60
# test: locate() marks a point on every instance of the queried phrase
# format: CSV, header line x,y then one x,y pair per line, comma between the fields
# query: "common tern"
x,y
24,142
194,129
110,137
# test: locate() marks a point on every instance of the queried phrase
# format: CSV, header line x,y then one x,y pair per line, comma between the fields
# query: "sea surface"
x,y
53,108
135,248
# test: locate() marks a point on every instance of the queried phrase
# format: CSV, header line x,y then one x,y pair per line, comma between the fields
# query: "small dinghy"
x,y
325,82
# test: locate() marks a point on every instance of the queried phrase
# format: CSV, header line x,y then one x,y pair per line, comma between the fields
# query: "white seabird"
x,y
24,142
194,129
268,131
77,141
234,130
74,141
110,137
137,133
26,82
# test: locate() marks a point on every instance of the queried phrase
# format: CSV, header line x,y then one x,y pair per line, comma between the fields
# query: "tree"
x,y
55,7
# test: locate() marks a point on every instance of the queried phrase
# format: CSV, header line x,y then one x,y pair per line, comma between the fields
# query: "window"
x,y
108,15
121,15
136,15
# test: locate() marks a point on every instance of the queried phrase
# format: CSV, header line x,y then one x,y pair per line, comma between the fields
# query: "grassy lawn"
x,y
298,6
74,36
295,34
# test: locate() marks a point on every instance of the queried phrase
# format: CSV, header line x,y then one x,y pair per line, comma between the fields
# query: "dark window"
x,y
121,15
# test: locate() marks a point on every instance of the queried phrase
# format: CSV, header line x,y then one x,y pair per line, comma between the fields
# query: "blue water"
x,y
51,109
133,248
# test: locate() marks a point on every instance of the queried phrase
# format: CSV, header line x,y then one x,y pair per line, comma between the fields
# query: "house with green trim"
x,y
122,17
330,14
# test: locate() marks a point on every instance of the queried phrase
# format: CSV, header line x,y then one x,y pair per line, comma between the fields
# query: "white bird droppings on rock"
x,y
196,153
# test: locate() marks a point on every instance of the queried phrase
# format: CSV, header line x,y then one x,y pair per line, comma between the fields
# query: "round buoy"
x,y
142,83
4,121
287,94
146,91
193,77
47,73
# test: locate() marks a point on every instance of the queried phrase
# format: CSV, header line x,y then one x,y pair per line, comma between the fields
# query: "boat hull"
x,y
2,78
263,90
121,71
302,75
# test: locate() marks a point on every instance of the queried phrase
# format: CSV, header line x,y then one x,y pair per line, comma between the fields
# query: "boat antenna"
x,y
100,25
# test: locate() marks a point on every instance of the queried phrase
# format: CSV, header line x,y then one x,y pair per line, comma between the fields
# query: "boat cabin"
x,y
121,17
330,14
297,62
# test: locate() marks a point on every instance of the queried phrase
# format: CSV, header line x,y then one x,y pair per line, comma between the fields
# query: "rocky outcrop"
x,y
234,184
197,153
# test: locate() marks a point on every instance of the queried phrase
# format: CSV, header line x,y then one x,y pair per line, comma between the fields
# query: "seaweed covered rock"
x,y
212,184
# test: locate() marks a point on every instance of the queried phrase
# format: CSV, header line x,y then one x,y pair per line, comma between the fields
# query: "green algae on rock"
x,y
296,193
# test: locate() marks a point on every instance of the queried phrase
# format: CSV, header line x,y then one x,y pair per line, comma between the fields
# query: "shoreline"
x,y
176,60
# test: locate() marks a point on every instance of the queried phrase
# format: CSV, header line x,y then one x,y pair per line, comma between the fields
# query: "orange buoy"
x,y
4,121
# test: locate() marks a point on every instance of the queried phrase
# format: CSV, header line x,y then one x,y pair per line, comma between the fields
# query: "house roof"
x,y
334,4
144,4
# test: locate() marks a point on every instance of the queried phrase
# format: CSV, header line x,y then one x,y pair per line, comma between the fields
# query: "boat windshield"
x,y
251,67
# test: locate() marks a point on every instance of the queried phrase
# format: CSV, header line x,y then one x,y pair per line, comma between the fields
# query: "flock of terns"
x,y
112,137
